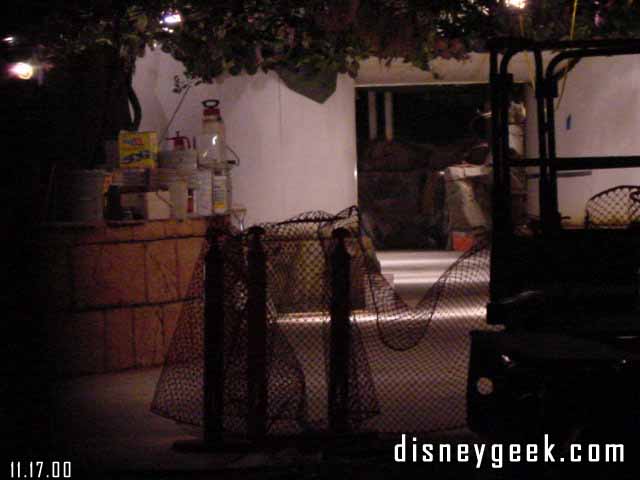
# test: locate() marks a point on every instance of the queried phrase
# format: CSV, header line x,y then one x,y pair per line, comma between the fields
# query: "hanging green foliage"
x,y
316,38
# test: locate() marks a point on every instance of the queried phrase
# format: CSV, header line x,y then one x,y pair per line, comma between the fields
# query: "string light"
x,y
22,70
172,19
519,4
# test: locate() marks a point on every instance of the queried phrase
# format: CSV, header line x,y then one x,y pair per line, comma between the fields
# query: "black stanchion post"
x,y
340,333
213,351
257,337
213,341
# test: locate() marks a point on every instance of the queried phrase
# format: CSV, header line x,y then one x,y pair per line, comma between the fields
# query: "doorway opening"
x,y
410,139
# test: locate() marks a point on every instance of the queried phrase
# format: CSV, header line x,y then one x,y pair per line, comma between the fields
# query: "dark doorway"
x,y
401,174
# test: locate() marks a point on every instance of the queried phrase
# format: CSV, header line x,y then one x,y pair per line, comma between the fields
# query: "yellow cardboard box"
x,y
138,149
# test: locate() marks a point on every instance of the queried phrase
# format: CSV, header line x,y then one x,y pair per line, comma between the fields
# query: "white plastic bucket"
x,y
86,194
178,196
199,181
187,159
177,182
162,178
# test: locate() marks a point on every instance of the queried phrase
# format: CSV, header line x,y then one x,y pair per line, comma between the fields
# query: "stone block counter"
x,y
113,293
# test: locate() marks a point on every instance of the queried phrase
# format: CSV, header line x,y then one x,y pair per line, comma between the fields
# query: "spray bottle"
x,y
211,154
183,160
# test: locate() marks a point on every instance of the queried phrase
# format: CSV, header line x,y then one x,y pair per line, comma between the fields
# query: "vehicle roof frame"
x,y
546,83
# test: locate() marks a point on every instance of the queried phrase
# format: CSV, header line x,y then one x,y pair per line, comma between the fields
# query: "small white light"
x,y
9,40
506,360
520,4
172,18
22,70
214,140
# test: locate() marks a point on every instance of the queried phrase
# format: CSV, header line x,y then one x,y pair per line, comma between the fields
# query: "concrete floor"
x,y
103,425
413,272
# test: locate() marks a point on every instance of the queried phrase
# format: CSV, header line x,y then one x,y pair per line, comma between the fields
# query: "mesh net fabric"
x,y
616,207
407,365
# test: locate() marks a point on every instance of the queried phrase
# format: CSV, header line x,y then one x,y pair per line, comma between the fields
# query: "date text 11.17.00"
x,y
37,469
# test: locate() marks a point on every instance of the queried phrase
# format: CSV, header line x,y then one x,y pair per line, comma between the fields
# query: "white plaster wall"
x,y
602,97
296,155
474,69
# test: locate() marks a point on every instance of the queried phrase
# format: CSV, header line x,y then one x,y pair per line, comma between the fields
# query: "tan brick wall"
x,y
161,260
188,252
115,293
119,340
148,334
109,274
171,315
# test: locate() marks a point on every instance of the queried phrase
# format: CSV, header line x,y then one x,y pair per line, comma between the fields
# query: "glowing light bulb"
x,y
22,70
172,18
9,40
214,140
519,4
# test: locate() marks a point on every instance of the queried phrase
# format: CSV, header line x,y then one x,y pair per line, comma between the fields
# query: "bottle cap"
x,y
211,107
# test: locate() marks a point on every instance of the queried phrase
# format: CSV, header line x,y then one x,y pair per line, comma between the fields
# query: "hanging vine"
x,y
312,38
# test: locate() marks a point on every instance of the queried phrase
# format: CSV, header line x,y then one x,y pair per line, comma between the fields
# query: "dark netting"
x,y
407,367
615,207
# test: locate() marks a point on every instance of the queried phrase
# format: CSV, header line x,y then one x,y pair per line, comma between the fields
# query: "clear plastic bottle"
x,y
211,141
211,148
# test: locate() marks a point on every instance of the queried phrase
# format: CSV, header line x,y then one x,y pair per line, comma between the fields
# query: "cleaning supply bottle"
x,y
211,141
184,160
180,142
211,148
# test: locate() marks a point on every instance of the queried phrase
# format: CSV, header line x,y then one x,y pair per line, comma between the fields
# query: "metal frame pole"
x,y
257,391
340,335
213,341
